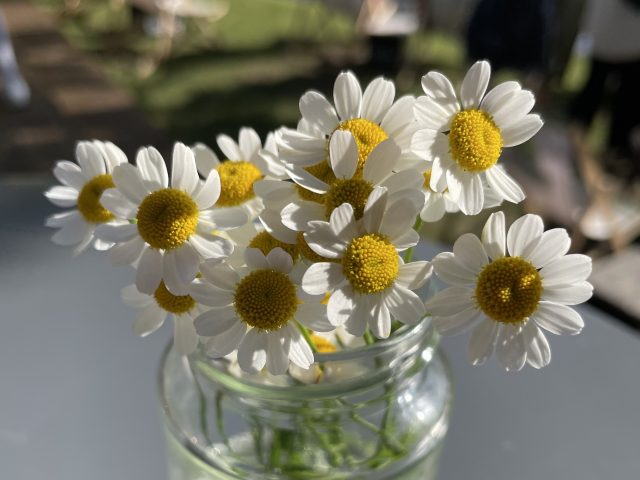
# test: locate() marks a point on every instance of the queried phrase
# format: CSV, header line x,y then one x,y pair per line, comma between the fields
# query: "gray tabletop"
x,y
78,398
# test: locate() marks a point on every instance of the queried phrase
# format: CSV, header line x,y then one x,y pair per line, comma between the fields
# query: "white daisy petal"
x,y
179,268
211,246
431,114
206,159
149,271
185,338
398,218
225,343
381,161
128,181
518,105
341,305
249,143
296,215
149,320
321,239
209,192
408,239
210,295
70,174
482,341
183,170
116,233
524,235
498,96
322,277
111,154
434,207
422,143
255,259
377,99
118,204
278,347
558,319
511,351
314,316
72,232
414,275
225,218
58,220
280,260
404,305
538,350
438,87
358,322
128,252
471,198
342,222
450,270
457,323
62,196
299,353
521,131
152,168
450,301
229,147
504,185
380,322
305,179
494,236
568,269
470,253
374,210
252,351
215,321
475,84
219,274
398,116
272,223
347,96
315,108
568,294
553,244
343,155
99,244
90,160
133,298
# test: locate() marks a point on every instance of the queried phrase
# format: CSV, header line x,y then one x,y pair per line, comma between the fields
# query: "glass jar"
x,y
378,411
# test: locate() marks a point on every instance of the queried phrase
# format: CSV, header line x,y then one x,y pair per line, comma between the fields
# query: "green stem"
x,y
408,255
392,443
220,418
368,338
307,337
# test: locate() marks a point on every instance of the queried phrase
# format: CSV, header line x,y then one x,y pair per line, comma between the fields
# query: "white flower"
x,y
465,139
371,117
369,280
256,311
350,183
82,188
173,227
154,310
512,297
247,162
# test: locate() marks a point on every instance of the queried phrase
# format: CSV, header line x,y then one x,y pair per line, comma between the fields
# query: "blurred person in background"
x,y
614,30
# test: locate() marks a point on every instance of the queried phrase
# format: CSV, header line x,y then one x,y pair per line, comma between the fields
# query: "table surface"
x,y
78,396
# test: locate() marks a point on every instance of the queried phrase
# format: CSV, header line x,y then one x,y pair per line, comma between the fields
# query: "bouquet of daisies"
x,y
304,243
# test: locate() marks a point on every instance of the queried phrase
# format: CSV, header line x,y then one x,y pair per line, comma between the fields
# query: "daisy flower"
x,y
82,187
511,297
259,311
154,310
465,137
349,185
246,162
171,229
368,279
371,117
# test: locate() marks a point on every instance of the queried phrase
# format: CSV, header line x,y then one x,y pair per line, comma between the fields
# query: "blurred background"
x,y
141,72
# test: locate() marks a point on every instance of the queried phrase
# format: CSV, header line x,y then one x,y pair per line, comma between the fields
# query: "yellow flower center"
x,y
266,299
265,242
167,218
370,263
475,141
322,171
236,182
508,289
368,135
173,303
427,179
354,191
89,204
306,251
322,344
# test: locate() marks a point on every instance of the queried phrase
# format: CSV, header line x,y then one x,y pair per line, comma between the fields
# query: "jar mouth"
x,y
377,363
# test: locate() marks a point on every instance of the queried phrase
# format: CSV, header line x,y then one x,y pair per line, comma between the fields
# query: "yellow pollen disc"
x,y
236,182
322,344
321,171
368,135
167,218
354,191
306,251
173,303
89,204
370,263
427,178
508,289
265,242
266,299
475,141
